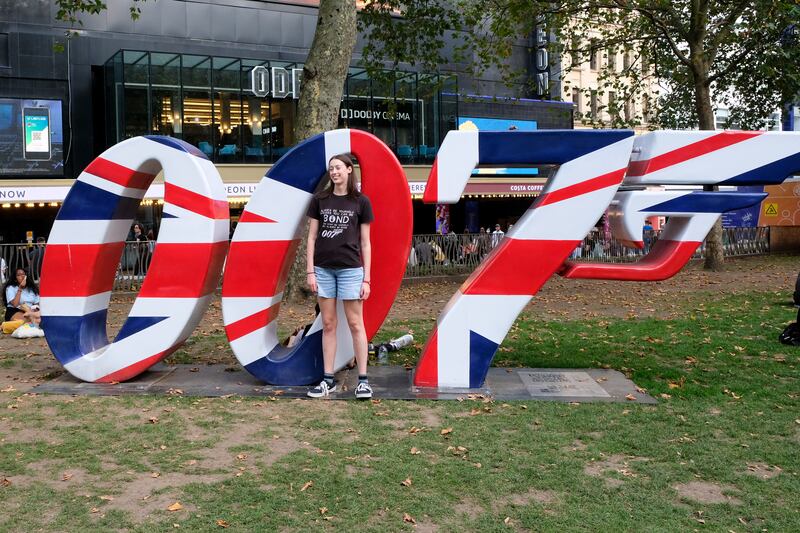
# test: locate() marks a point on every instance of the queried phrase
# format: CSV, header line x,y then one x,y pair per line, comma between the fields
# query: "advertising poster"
x,y
499,124
31,138
743,218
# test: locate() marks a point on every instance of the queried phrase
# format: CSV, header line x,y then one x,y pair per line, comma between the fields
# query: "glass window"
x,y
165,83
357,108
405,117
115,98
257,131
228,112
198,110
136,105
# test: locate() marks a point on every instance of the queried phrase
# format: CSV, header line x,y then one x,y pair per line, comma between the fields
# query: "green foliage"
x,y
681,55
71,10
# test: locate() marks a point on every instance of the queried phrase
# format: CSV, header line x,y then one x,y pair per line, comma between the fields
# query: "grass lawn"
x,y
720,452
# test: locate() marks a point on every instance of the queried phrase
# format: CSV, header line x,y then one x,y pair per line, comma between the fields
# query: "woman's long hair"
x,y
12,282
352,190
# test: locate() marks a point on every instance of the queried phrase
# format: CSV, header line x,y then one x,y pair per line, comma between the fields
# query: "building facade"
x,y
223,76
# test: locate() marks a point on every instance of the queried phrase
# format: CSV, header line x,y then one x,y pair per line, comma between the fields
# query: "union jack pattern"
x,y
86,243
593,165
266,240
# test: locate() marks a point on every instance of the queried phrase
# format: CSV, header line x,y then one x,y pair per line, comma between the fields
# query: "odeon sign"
x,y
597,170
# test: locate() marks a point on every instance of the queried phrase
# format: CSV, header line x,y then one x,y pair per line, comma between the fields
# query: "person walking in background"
x,y
338,263
497,235
35,257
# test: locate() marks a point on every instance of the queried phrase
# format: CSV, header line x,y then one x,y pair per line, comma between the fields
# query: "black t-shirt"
x,y
339,237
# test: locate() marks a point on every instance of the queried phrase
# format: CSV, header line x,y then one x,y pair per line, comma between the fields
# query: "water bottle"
x,y
400,342
383,355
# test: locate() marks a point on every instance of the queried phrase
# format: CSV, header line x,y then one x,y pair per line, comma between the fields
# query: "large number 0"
x,y
264,245
86,242
593,165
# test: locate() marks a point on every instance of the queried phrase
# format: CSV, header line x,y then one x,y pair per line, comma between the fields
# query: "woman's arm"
x,y
13,301
366,258
313,229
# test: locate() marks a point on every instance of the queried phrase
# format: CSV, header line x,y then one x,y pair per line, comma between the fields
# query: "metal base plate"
x,y
388,382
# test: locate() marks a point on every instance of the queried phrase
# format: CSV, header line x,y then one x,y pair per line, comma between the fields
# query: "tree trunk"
x,y
715,256
324,76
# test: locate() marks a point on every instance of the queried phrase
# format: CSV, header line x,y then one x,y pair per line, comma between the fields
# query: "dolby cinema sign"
x,y
280,82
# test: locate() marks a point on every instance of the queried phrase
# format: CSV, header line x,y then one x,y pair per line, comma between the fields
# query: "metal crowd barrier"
x,y
431,254
447,255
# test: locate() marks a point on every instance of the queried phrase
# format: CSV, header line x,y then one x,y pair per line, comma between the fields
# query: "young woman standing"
x,y
338,261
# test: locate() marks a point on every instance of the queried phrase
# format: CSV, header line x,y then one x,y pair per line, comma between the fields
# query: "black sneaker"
x,y
321,390
363,390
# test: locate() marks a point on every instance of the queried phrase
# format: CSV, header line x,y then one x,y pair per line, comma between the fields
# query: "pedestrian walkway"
x,y
388,382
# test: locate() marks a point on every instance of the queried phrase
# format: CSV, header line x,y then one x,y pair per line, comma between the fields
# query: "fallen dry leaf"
x,y
107,498
175,507
406,482
415,451
155,474
323,510
408,518
307,485
446,431
222,523
630,397
6,482
66,477
153,420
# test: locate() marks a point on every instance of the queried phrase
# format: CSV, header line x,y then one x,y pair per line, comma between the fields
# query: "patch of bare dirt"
x,y
619,464
705,492
577,445
543,497
139,497
469,508
763,471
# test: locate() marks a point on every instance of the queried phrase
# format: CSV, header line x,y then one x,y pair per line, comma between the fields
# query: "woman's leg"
x,y
327,308
354,311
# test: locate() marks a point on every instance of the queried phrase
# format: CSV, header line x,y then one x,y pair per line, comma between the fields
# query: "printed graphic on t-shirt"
x,y
334,221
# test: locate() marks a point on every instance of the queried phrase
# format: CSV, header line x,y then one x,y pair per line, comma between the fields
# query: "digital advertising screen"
x,y
31,138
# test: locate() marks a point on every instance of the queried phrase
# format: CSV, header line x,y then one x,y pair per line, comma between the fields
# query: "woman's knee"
x,y
329,324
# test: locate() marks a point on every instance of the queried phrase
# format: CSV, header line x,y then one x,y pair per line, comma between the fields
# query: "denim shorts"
x,y
339,283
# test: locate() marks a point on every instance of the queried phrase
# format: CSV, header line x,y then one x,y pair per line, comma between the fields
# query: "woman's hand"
x,y
311,279
23,282
365,290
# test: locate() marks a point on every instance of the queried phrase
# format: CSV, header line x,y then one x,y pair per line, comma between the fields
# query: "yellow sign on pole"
x,y
770,210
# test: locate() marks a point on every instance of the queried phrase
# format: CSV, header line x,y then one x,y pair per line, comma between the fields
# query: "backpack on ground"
x,y
790,335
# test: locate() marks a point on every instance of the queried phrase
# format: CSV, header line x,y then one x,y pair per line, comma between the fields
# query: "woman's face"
x,y
339,172
20,275
136,229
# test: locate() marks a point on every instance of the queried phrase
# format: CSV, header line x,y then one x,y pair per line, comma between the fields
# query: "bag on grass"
x,y
790,335
27,331
12,325
797,291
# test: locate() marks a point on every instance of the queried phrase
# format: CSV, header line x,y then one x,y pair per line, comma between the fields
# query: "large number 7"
x,y
477,318
593,164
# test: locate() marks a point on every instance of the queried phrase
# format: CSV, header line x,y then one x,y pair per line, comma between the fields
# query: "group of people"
x,y
453,248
